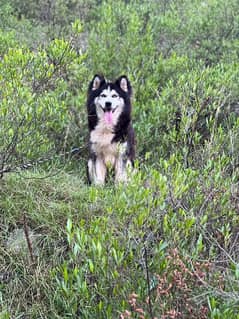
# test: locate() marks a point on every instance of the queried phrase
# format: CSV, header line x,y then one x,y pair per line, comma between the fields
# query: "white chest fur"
x,y
101,143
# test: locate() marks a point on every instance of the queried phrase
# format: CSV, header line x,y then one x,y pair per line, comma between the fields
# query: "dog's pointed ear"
x,y
97,81
124,84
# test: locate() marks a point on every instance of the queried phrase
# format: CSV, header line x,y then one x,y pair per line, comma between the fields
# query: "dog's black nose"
x,y
108,106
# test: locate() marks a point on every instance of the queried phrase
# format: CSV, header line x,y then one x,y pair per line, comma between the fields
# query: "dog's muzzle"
x,y
108,106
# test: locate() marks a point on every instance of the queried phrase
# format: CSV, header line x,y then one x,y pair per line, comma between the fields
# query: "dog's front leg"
x,y
100,170
121,169
96,171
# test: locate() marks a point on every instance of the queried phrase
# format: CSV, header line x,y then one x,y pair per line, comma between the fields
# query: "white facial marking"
x,y
109,101
108,96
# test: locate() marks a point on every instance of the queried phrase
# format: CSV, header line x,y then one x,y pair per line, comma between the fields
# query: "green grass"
x,y
89,244
166,244
46,204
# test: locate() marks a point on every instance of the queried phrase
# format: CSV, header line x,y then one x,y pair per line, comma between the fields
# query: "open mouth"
x,y
111,110
108,114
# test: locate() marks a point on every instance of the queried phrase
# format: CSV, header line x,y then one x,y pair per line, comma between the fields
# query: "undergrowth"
x,y
168,240
166,244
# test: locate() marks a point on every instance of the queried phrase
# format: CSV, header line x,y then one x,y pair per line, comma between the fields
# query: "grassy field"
x,y
163,236
166,244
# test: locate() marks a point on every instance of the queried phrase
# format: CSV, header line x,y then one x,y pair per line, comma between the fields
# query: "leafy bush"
x,y
107,262
166,244
167,90
204,31
36,100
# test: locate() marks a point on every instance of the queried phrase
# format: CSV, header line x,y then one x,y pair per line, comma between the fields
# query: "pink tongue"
x,y
108,117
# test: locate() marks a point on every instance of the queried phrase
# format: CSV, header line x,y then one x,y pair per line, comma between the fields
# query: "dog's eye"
x,y
103,95
114,95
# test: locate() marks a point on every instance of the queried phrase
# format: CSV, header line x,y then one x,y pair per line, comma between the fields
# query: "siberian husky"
x,y
111,140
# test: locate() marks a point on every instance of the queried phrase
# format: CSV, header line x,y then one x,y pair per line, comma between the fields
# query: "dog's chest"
x,y
101,143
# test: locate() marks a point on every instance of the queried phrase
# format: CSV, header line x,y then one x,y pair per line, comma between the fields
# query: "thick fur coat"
x,y
111,140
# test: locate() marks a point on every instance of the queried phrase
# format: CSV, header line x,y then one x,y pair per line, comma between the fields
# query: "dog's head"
x,y
108,100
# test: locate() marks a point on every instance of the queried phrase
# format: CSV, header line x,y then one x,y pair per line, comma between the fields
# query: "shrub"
x,y
36,100
166,244
204,31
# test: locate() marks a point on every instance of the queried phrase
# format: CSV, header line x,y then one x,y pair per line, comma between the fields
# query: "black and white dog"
x,y
112,141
